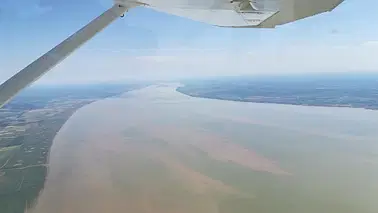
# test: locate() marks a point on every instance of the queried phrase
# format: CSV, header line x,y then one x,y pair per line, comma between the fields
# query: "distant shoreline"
x,y
276,103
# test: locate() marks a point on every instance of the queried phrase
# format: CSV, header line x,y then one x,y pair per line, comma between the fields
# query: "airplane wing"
x,y
225,13
293,10
243,13
222,18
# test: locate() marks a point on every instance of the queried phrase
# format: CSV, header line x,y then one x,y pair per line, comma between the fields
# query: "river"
x,y
157,150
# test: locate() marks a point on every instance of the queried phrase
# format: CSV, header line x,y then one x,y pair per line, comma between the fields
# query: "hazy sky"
x,y
148,44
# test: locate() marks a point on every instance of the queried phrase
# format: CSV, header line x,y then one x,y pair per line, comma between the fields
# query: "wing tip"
x,y
336,5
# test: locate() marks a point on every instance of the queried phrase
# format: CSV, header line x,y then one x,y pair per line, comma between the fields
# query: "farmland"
x,y
28,126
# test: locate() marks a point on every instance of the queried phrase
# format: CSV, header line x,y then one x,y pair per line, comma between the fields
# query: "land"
x,y
28,125
157,150
337,90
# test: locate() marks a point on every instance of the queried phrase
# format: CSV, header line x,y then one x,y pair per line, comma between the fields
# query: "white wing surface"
x,y
242,13
223,18
293,10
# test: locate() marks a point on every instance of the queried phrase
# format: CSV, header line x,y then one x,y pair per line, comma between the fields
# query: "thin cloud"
x,y
22,9
156,50
370,44
156,59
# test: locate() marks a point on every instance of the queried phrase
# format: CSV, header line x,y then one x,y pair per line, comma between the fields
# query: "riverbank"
x,y
28,127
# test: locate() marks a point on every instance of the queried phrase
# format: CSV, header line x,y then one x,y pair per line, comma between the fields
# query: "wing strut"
x,y
46,62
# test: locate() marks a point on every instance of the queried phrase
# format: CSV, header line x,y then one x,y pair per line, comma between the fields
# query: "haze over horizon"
x,y
150,45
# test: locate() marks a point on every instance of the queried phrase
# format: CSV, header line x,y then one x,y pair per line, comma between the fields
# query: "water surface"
x,y
156,150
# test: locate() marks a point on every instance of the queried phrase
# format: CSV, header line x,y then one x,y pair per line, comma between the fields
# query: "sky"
x,y
146,44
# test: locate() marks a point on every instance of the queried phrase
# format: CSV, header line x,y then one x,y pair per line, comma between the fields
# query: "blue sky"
x,y
150,45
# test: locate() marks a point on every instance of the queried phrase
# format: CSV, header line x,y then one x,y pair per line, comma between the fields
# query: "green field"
x,y
24,166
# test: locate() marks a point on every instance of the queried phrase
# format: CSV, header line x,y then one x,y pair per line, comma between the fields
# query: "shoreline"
x,y
68,114
274,103
41,125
